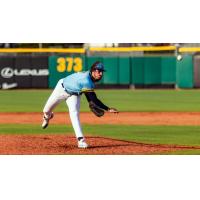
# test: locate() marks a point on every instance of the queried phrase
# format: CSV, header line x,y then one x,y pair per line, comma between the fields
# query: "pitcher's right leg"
x,y
73,103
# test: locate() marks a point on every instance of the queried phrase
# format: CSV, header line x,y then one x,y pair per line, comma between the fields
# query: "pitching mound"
x,y
62,144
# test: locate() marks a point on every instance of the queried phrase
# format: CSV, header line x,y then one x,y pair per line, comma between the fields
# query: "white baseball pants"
x,y
73,103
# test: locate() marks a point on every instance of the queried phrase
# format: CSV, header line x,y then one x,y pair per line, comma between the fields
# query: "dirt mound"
x,y
65,145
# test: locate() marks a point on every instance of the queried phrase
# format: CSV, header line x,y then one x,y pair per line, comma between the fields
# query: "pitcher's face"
x,y
97,74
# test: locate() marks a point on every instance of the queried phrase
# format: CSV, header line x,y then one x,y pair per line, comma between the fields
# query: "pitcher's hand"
x,y
113,110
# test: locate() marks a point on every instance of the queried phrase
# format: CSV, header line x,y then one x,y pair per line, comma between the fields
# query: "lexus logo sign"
x,y
8,72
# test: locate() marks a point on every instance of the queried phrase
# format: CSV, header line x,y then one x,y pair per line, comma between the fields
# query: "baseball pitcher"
x,y
70,90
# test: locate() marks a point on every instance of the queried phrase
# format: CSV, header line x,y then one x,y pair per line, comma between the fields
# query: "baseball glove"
x,y
99,112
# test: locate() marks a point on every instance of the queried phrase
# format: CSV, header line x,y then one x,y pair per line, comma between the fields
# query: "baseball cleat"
x,y
45,122
82,144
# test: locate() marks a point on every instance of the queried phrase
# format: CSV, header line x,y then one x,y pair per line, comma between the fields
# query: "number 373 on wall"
x,y
69,64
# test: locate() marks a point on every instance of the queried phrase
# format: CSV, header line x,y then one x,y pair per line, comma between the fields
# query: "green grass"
x,y
124,100
174,135
185,152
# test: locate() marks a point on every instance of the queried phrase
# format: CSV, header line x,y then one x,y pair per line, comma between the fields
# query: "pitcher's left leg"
x,y
55,98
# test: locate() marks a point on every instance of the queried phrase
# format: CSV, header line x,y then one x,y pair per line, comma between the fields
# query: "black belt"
x,y
71,93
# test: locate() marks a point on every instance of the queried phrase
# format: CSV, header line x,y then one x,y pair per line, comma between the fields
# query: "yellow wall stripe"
x,y
99,49
42,50
128,49
189,49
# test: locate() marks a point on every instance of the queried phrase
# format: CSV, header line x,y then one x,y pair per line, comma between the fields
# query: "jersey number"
x,y
68,64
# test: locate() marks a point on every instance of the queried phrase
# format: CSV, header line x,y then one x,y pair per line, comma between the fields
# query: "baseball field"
x,y
150,122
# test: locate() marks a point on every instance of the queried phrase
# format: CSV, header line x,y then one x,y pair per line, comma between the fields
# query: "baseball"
x,y
179,57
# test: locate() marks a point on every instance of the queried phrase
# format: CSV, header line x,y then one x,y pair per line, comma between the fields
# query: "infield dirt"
x,y
124,118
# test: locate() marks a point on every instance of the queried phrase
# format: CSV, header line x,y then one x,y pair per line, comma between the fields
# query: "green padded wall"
x,y
152,70
168,70
184,73
137,70
196,63
127,70
111,74
124,70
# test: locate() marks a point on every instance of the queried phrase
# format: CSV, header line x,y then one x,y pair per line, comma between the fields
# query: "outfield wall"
x,y
24,72
43,71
